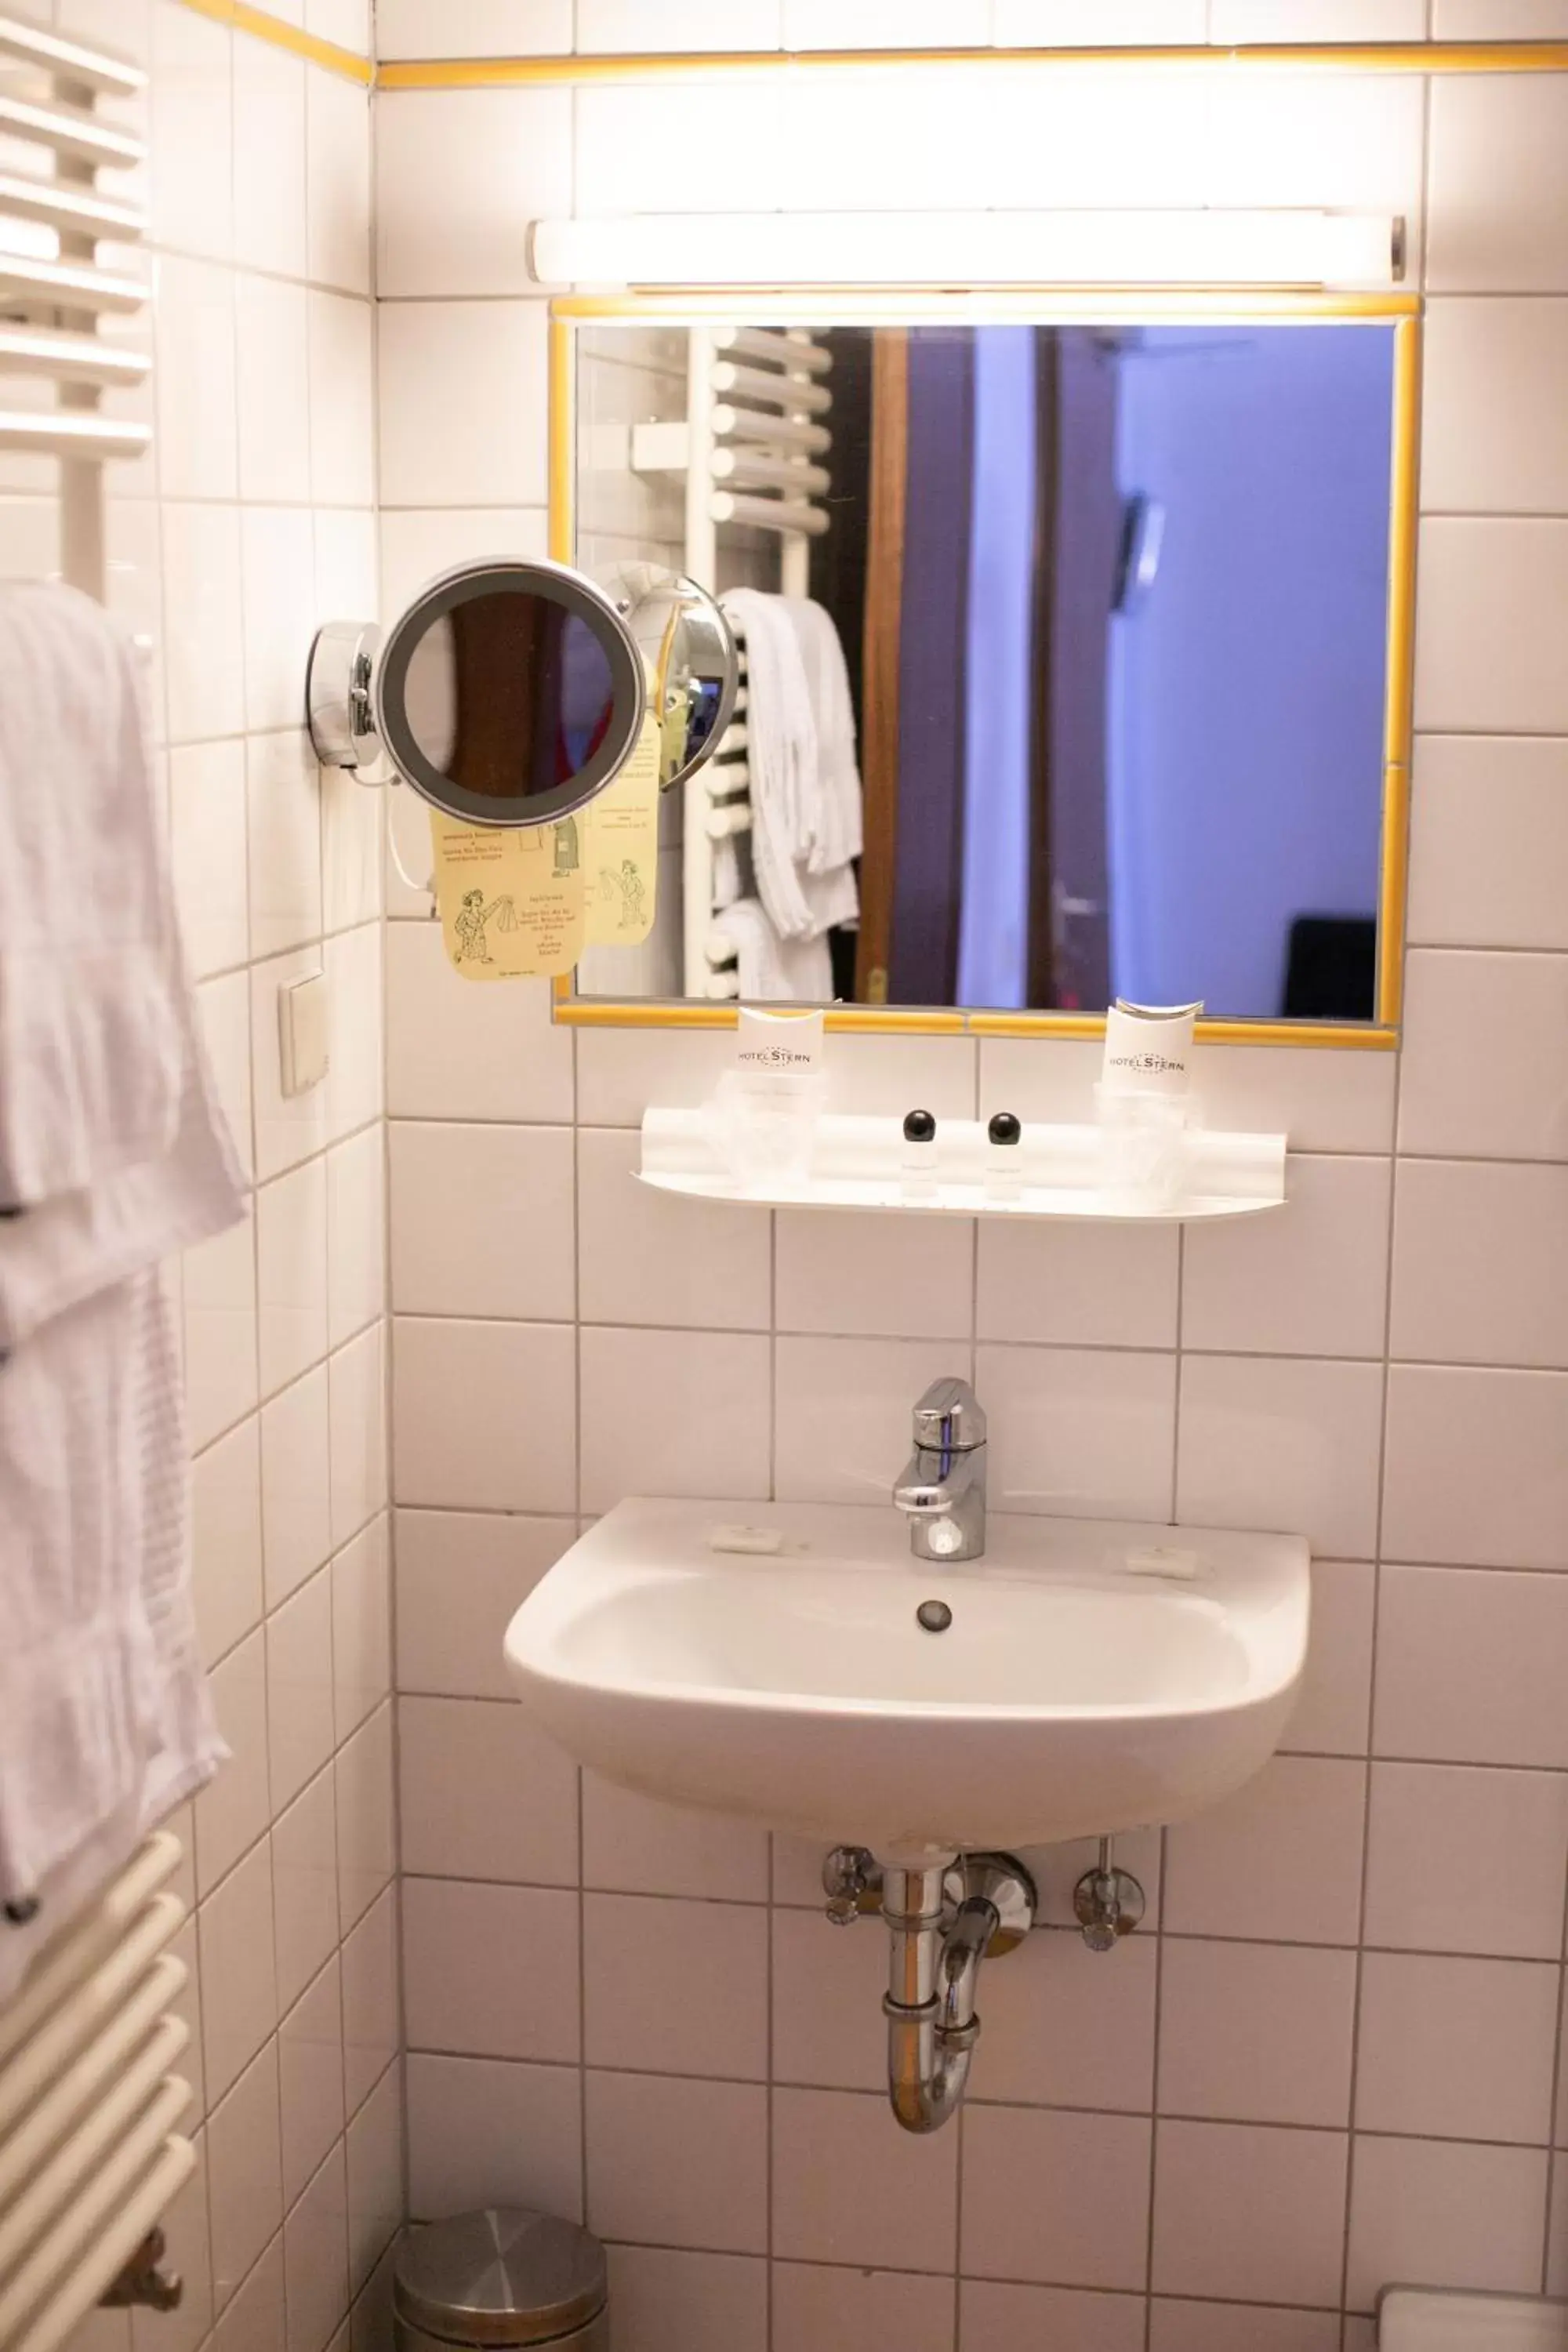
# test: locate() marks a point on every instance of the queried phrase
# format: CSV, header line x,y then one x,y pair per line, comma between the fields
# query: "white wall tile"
x,y
461,1576
342,401
1489,841
416,543
908,1277
463,396
225,1539
1490,597
305,1887
296,1484
311,2079
269,194
356,1383
890,141
373,2148
277,552
271,321
192,132
459,176
232,1811
481,1221
1250,2210
460,1393
291,1274
1077,1285
1447,2215
1479,1032
283,795
886,23
243,2173
1477,1467
647,1256
1468,1668
1054,2196
206,827
1455,2049
472,28
1465,1861
1282,1443
345,22
686,1981
202,622
485,1794
824,1985
1076,1432
337,131
218,1283
456,1050
362,1626
1242,2328
299,1729
240,1986
1497,20
1321,1102
1303,138
842,1412
1480,1263
254,2320
1484,361
715,2198
1333,1705
1065,24
843,2189
355,1023
353,848
1498,178
194,381
1293,1837
372,2024
636,1845
222,1007
315,2260
671,2301
610,25
994,2318
1309,1281
673,1412
356,1228
1317,20
481,2130
1225,2049
366,1816
289,1128
1062,2033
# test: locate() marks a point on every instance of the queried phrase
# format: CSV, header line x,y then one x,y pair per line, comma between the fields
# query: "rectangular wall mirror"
x,y
1077,644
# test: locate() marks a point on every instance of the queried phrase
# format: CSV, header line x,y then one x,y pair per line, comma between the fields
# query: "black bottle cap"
x,y
1003,1128
919,1127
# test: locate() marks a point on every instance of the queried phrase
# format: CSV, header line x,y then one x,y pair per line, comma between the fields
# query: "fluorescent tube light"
x,y
991,249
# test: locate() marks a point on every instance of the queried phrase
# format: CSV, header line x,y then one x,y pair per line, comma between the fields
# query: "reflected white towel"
x,y
771,971
91,1054
799,826
837,835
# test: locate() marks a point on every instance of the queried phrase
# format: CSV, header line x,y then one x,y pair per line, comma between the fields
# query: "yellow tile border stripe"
x,y
244,18
1346,57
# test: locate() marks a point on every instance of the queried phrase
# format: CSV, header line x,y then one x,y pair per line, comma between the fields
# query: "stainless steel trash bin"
x,y
504,2277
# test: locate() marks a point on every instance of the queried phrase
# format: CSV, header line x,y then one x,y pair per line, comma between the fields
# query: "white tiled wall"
x,y
1329,2059
254,517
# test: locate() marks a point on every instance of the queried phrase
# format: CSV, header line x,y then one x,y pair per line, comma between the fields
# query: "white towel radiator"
x,y
89,2157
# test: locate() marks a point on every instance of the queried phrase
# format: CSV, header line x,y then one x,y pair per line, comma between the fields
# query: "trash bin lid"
x,y
504,2276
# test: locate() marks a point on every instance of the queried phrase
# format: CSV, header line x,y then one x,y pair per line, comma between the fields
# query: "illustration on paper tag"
x,y
620,849
511,899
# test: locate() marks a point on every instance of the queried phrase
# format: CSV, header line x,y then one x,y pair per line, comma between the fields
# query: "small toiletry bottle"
x,y
1003,1158
917,1162
1145,1102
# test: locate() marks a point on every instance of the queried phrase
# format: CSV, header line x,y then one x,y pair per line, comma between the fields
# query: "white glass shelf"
x,y
856,1163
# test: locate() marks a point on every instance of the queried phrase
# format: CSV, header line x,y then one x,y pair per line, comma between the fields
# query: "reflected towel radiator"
x,y
751,449
89,2157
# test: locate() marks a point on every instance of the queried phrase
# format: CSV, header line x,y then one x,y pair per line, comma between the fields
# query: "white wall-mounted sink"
x,y
1096,1675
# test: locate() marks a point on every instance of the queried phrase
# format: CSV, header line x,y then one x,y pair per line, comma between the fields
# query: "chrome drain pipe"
x,y
942,1922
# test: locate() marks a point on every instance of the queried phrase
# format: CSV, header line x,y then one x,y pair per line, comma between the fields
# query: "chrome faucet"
x,y
943,1490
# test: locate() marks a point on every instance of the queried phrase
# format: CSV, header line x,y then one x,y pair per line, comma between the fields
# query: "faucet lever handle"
x,y
949,1418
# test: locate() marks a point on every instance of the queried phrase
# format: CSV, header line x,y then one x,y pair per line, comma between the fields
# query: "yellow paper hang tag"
x,y
511,899
620,849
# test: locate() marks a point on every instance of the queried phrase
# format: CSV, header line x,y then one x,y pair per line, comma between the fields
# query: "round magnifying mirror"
x,y
689,655
509,693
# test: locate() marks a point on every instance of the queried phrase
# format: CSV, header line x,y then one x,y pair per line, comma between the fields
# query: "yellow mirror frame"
x,y
1077,306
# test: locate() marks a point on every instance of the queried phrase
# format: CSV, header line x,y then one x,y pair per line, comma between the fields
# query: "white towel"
x,y
771,971
804,888
105,1722
837,836
91,1054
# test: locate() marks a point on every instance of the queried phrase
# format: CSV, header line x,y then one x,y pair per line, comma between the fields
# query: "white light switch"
x,y
303,1033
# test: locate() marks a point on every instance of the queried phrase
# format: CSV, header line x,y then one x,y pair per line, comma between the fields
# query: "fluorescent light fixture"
x,y
999,248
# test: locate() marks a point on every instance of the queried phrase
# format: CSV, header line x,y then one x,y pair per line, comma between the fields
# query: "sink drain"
x,y
934,1615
